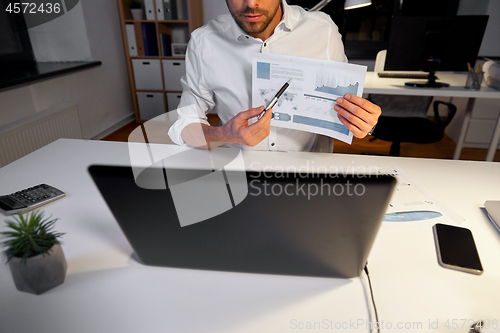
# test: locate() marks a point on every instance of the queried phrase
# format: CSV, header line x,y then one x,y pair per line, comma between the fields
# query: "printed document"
x,y
307,104
413,207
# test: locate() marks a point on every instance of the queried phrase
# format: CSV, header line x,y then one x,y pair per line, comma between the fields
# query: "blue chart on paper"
x,y
263,70
321,123
339,90
420,215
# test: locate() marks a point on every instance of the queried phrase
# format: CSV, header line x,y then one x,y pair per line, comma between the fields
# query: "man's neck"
x,y
270,28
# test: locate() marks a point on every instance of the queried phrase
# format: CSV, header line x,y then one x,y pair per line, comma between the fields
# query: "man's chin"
x,y
252,28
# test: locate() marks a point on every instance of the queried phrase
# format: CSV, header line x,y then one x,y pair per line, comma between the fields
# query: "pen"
x,y
275,99
473,76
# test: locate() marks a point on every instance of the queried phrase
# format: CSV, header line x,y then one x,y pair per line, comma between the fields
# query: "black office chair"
x,y
410,129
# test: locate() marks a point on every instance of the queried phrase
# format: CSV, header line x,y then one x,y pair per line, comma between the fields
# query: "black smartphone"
x,y
456,249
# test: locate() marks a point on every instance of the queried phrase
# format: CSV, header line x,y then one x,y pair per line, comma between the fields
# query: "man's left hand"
x,y
357,114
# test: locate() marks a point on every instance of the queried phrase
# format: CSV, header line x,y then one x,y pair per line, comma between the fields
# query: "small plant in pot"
x,y
34,253
135,9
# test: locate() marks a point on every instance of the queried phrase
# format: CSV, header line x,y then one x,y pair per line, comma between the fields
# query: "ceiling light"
x,y
351,4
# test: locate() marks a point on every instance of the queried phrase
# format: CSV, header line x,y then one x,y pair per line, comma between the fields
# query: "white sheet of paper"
x,y
409,196
307,104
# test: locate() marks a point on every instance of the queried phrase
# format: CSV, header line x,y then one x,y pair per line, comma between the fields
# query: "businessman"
x,y
219,75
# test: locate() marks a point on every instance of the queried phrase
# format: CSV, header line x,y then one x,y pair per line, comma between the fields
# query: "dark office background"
x,y
365,31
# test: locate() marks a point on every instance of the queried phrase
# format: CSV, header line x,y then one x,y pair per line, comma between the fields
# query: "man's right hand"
x,y
235,130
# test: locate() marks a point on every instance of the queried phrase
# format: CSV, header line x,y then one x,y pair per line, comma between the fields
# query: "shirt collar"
x,y
289,20
290,16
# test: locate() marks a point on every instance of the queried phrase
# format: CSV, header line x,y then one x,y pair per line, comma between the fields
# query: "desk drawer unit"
x,y
150,105
173,100
147,74
482,122
173,70
480,131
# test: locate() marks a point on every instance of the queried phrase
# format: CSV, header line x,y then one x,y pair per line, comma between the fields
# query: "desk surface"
x,y
391,86
106,290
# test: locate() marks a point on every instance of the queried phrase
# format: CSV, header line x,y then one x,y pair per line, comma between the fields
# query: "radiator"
x,y
29,134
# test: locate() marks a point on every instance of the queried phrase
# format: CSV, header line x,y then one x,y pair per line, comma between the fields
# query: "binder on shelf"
x,y
166,45
149,9
182,12
167,10
149,39
138,39
160,13
185,9
131,40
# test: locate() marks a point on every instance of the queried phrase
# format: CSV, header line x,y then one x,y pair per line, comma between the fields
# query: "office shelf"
x,y
177,29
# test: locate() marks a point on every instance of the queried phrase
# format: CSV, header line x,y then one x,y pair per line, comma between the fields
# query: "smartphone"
x,y
456,249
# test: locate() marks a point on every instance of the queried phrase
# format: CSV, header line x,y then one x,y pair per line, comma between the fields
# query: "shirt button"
x,y
272,144
265,44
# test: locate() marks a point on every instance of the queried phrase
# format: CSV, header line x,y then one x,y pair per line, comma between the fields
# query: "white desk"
x,y
108,291
389,86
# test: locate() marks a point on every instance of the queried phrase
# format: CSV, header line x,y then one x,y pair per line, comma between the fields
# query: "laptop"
x,y
283,225
493,210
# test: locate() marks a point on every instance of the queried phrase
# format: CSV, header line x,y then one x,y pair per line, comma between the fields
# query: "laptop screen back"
x,y
286,224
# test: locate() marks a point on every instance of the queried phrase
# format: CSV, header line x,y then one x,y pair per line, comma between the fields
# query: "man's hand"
x,y
235,130
357,114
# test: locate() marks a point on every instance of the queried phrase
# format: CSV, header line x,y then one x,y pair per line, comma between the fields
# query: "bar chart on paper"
x,y
308,104
337,85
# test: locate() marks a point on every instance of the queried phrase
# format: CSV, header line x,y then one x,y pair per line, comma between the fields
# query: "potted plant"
x,y
34,253
135,9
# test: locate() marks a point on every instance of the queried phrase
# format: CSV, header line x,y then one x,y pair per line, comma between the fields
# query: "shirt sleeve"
x,y
336,47
196,100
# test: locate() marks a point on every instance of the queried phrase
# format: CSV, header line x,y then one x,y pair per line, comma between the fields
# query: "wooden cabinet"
x,y
152,68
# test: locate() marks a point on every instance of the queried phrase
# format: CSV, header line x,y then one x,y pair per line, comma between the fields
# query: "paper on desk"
x,y
409,196
307,105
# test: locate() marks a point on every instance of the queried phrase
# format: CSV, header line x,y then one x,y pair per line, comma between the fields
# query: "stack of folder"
x,y
149,39
166,45
171,10
149,46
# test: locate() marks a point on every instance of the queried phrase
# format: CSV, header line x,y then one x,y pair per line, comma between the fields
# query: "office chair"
x,y
412,129
404,118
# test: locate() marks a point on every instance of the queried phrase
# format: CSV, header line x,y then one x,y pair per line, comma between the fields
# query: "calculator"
x,y
29,199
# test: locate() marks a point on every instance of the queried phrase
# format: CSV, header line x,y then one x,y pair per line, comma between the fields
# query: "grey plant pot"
x,y
39,273
136,13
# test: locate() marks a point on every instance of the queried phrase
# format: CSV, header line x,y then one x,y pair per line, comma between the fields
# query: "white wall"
x,y
62,39
213,8
473,7
491,40
112,91
101,94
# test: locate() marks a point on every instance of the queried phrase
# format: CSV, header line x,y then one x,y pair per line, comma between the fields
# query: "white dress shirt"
x,y
219,71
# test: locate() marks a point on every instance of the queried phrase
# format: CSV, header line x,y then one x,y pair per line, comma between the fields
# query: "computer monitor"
x,y
434,43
